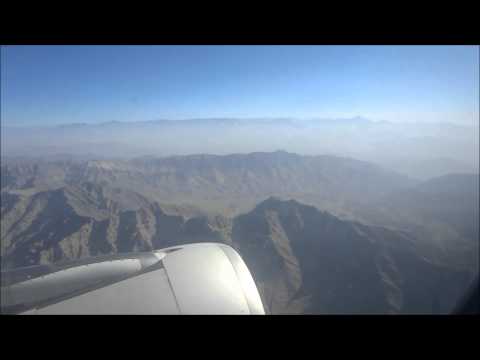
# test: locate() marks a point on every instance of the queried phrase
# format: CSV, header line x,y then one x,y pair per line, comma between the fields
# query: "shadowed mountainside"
x,y
304,260
77,221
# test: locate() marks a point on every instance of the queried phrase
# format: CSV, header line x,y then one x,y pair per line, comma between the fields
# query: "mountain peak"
x,y
280,204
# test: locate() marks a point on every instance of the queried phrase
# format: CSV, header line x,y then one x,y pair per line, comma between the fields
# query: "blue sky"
x,y
45,85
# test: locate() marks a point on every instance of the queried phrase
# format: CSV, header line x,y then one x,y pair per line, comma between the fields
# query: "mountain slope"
x,y
78,221
442,212
229,184
308,261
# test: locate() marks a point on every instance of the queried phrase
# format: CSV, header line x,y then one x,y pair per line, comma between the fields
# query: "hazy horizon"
x,y
238,118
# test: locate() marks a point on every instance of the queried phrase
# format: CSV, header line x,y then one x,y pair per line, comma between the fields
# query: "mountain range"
x,y
419,150
321,234
229,183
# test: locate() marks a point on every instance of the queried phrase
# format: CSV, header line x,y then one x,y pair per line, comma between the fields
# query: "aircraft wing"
x,y
206,278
